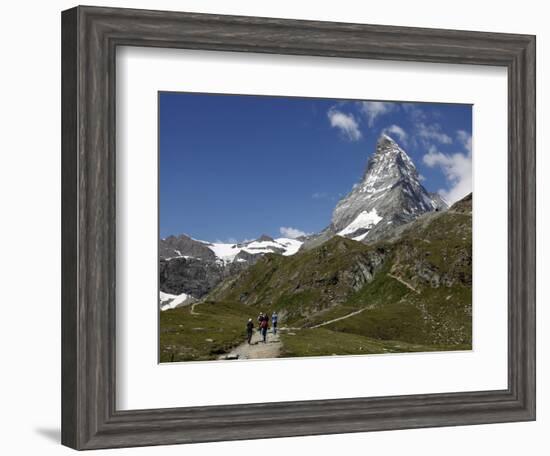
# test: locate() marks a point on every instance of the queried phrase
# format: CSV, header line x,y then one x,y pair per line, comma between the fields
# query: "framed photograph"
x,y
368,261
278,228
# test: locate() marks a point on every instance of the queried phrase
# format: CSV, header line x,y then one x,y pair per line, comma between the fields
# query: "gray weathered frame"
x,y
90,36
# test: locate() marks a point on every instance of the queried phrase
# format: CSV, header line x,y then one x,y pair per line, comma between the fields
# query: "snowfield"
x,y
228,252
292,245
170,301
365,220
225,252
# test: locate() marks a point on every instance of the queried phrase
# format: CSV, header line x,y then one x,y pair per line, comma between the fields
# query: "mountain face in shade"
x,y
184,246
389,194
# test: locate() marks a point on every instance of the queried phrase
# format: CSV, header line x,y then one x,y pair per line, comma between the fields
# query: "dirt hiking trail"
x,y
357,312
257,349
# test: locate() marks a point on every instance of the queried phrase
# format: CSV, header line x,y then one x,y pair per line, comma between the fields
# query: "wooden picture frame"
x,y
90,36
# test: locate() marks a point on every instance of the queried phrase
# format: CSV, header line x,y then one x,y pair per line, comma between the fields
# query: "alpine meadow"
x,y
295,227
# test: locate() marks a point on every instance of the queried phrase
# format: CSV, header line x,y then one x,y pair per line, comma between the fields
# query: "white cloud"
x,y
432,132
415,113
374,109
457,168
425,133
465,139
292,233
346,123
396,131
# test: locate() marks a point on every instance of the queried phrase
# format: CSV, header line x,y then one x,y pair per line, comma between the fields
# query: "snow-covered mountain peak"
x,y
384,138
389,164
390,193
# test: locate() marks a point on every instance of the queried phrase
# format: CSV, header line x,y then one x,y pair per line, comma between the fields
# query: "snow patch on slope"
x,y
291,245
187,257
365,220
360,237
170,301
225,252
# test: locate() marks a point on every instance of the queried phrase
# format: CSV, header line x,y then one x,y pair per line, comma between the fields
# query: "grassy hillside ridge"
x,y
306,283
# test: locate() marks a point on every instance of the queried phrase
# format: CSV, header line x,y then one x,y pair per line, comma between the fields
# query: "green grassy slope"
x,y
324,342
304,284
212,330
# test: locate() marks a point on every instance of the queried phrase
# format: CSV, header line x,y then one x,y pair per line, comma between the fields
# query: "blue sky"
x,y
234,167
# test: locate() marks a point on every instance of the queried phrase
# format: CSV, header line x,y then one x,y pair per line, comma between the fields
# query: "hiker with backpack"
x,y
260,319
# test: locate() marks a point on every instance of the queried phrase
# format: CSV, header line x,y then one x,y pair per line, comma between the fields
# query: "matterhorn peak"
x,y
385,138
388,165
390,193
387,145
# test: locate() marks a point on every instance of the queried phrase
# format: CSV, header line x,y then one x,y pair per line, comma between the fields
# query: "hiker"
x,y
264,325
249,328
274,318
260,319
